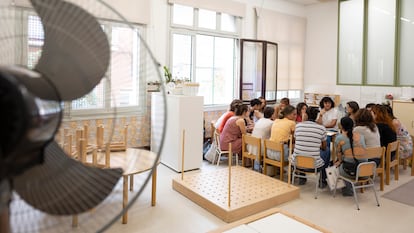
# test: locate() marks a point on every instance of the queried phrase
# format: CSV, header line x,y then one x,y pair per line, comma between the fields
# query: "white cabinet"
x,y
183,113
404,111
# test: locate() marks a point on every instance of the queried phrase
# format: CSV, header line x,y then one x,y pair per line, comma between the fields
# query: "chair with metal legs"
x,y
306,164
364,177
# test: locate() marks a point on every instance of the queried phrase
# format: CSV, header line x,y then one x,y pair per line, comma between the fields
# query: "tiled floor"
x,y
175,213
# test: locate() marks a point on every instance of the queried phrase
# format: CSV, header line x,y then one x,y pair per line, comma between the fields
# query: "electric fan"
x,y
40,186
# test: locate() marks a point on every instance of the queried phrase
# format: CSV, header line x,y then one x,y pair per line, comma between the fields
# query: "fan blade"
x,y
76,53
63,186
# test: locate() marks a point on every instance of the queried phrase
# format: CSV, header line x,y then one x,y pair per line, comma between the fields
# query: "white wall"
x,y
321,56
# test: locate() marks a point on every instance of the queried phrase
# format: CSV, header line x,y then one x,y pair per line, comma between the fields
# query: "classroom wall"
x,y
320,59
321,55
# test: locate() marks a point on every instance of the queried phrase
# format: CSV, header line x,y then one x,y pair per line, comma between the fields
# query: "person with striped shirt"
x,y
310,139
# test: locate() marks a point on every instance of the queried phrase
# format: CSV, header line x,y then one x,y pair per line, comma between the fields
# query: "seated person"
x,y
301,112
310,140
233,130
349,143
406,143
369,106
385,126
281,130
352,108
263,105
262,129
255,106
278,108
365,125
222,120
328,117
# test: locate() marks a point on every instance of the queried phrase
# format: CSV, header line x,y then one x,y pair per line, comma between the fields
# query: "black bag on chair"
x,y
350,168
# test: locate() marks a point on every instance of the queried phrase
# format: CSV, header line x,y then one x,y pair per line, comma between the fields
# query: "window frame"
x,y
194,30
395,79
107,111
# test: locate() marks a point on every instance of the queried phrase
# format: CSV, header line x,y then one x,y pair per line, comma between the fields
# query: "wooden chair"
x,y
82,157
114,146
306,164
212,130
393,146
271,145
255,152
377,152
220,152
364,177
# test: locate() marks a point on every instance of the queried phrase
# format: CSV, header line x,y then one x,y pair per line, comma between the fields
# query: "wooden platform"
x,y
251,192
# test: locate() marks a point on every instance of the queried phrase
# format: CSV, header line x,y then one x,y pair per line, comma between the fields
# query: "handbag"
x,y
332,174
350,168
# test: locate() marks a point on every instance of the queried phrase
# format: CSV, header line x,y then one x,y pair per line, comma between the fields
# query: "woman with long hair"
x,y
223,119
301,112
385,126
263,105
233,130
406,143
279,108
365,125
352,108
348,142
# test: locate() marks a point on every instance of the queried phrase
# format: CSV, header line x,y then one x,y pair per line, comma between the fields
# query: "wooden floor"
x,y
251,192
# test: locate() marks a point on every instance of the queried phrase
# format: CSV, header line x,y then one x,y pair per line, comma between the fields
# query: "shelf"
x,y
313,99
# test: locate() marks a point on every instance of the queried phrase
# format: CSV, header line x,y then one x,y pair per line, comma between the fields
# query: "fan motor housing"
x,y
29,120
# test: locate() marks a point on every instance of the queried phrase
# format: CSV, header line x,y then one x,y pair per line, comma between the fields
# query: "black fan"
x,y
75,57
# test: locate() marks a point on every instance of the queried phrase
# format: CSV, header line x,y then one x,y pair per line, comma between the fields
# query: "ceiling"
x,y
308,2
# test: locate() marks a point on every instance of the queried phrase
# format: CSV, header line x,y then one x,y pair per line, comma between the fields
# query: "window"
x,y
35,38
124,68
183,15
351,22
205,52
406,69
380,53
121,83
228,23
206,19
258,77
363,58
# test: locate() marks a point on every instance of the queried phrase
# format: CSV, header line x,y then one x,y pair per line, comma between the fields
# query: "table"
x,y
271,220
134,161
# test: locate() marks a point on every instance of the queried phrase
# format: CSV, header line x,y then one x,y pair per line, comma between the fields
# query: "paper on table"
x,y
282,223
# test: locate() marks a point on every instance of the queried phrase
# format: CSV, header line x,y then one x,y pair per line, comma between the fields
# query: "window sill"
x,y
79,115
215,107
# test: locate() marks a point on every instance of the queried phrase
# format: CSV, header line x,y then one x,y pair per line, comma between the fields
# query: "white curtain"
x,y
289,33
